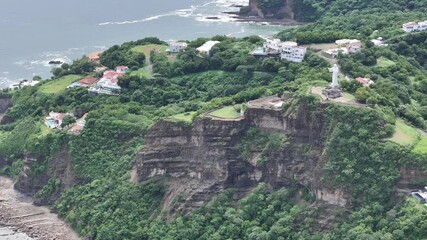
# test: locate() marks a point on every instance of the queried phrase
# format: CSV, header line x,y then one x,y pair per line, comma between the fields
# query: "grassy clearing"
x,y
404,134
421,146
58,85
43,130
183,117
385,62
226,113
146,49
142,72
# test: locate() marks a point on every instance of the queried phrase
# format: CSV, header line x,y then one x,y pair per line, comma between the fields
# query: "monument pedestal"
x,y
332,92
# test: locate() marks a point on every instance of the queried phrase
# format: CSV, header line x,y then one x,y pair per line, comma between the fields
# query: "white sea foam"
x,y
199,12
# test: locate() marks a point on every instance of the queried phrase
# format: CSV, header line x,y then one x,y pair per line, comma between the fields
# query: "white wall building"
x,y
379,42
352,45
176,47
292,52
205,49
415,26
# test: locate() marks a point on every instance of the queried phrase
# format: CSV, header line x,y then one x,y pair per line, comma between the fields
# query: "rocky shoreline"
x,y
18,212
263,21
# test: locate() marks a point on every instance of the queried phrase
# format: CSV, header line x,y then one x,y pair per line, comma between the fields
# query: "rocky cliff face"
x,y
285,10
202,159
58,168
5,103
412,177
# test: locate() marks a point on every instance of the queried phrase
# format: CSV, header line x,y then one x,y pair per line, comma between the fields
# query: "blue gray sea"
x,y
36,32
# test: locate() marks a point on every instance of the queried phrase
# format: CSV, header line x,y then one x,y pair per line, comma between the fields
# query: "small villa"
x,y
345,46
379,42
205,49
108,83
54,120
122,69
79,125
414,26
292,52
285,50
366,82
176,47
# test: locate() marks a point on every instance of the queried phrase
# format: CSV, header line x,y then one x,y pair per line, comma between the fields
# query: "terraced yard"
x,y
183,117
226,113
58,85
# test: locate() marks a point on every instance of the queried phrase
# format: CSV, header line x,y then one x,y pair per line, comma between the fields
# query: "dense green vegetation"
x,y
106,205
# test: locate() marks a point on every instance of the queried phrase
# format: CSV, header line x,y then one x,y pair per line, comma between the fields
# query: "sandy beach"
x,y
18,212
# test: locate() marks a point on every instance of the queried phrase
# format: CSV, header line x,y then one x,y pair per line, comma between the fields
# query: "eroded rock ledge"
x,y
202,159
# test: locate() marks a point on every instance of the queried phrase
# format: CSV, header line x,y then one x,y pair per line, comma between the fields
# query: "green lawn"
x,y
183,117
226,113
142,72
58,85
146,49
43,130
421,146
405,134
385,62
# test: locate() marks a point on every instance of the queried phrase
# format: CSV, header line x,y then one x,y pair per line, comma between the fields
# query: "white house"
x,y
176,47
292,52
352,45
206,48
414,26
272,44
379,42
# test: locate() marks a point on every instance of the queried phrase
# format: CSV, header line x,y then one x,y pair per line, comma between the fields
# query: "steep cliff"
x,y
202,159
5,103
51,177
281,9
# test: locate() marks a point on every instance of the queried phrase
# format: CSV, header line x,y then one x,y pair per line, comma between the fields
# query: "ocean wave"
x,y
44,60
200,12
180,12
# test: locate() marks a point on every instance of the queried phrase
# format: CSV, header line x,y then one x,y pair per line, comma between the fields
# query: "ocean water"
x,y
36,32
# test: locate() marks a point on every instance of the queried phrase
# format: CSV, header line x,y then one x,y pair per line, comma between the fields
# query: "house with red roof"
x,y
366,82
414,26
94,57
122,69
79,125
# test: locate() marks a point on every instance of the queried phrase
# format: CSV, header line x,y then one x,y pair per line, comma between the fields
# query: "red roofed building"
x,y
366,82
122,69
87,82
112,75
94,57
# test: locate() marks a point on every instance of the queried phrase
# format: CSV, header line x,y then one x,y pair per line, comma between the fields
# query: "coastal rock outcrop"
x,y
200,160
